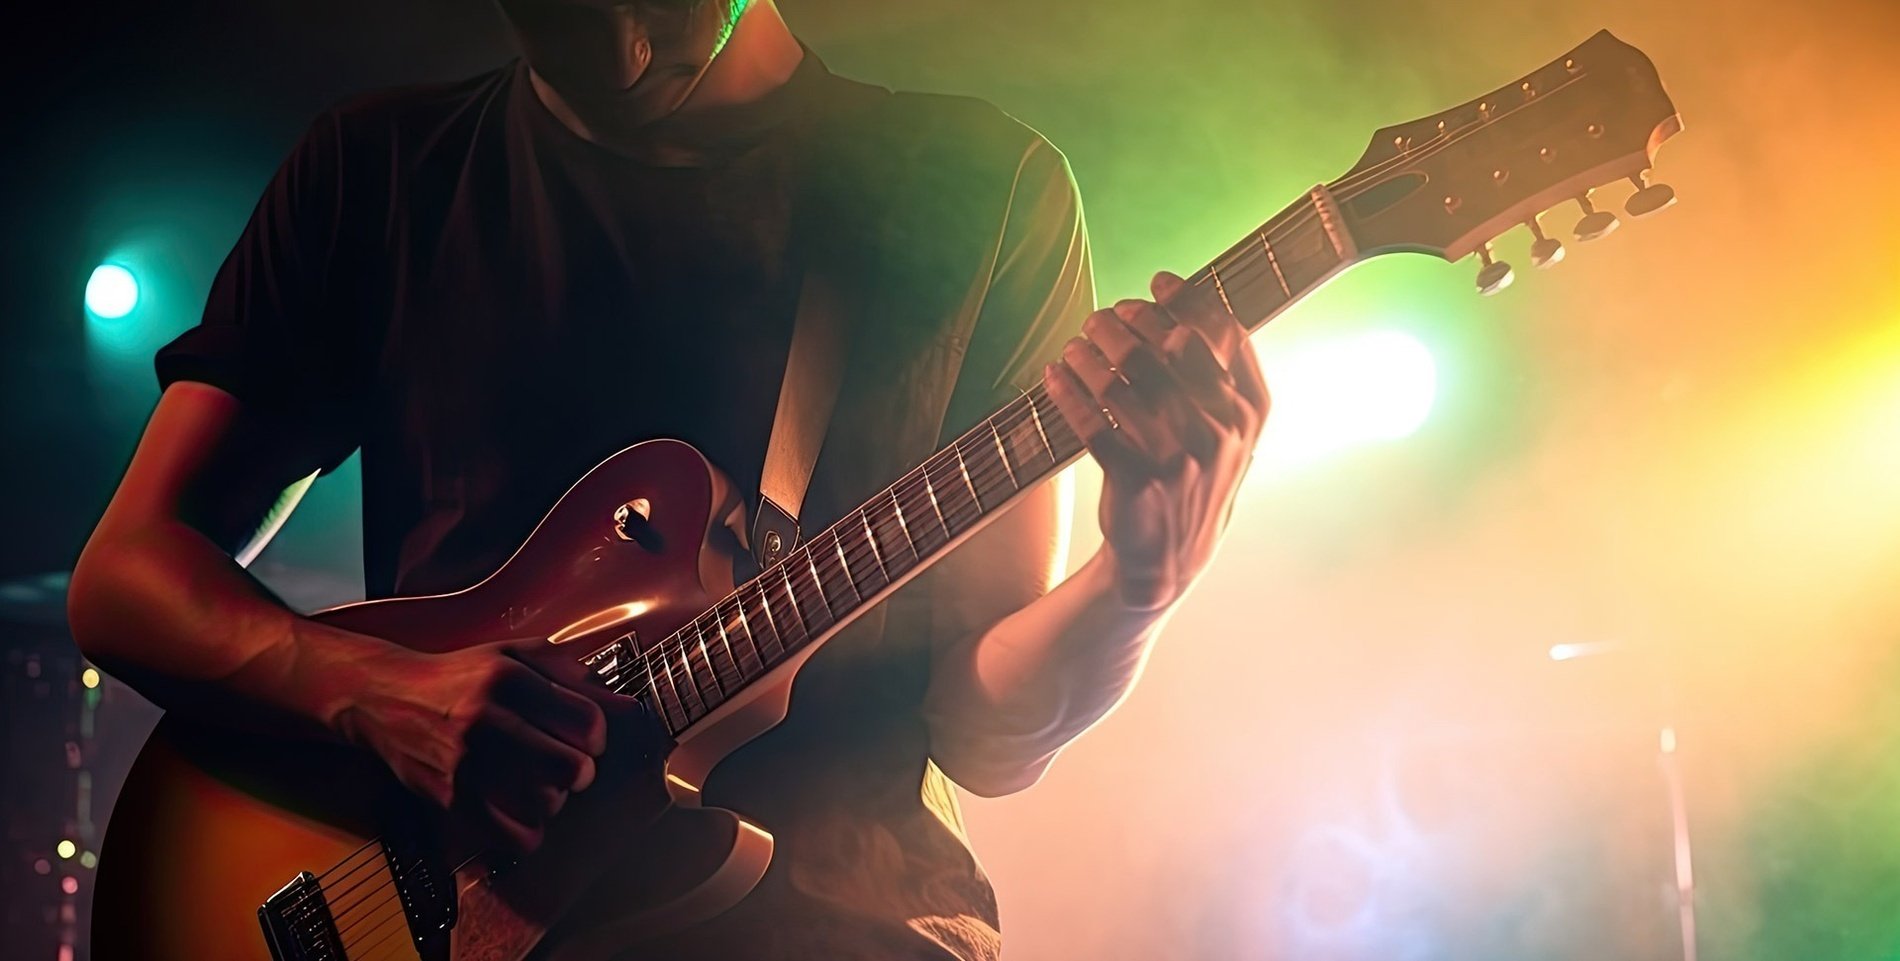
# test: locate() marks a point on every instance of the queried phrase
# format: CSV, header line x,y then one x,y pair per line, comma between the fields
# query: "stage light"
x,y
66,849
1375,386
1570,652
112,292
89,677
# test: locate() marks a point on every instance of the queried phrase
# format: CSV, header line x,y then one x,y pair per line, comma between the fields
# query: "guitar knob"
x,y
1649,198
1595,223
1545,251
1495,275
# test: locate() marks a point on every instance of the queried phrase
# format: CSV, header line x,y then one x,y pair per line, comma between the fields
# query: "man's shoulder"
x,y
417,110
950,133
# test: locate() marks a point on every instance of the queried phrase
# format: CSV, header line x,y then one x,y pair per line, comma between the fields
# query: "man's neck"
x,y
760,57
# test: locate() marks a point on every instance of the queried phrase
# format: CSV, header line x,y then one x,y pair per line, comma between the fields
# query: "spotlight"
x,y
1376,386
112,292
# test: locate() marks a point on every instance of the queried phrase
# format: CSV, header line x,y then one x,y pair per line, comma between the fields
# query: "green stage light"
x,y
112,292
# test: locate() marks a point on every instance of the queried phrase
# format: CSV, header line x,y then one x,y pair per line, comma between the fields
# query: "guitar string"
x,y
358,906
376,913
352,856
350,947
1344,188
329,892
323,887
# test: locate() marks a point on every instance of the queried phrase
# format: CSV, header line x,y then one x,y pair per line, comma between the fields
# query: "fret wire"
x,y
902,524
956,447
701,707
724,646
1221,289
1251,288
1003,454
791,594
712,672
1036,418
837,545
660,703
1274,262
811,563
931,489
725,637
745,623
672,685
916,493
871,539
778,636
687,670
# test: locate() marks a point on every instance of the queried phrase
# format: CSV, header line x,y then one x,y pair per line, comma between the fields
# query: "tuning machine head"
x,y
1649,198
1545,251
1595,223
1493,275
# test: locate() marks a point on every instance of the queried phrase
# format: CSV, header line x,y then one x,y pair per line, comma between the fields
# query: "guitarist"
x,y
489,286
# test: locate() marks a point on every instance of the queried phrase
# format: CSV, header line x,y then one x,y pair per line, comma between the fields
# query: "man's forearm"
x,y
167,610
1004,702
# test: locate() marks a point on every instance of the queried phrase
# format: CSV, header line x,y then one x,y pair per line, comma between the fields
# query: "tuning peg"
x,y
1495,275
1649,198
1595,223
1546,251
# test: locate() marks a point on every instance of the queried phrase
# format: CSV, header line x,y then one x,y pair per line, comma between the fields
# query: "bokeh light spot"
x,y
112,292
1375,386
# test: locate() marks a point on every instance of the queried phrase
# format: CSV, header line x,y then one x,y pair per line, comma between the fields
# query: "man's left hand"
x,y
1170,399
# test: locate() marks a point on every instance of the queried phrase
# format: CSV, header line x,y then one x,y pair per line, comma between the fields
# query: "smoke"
x,y
1679,450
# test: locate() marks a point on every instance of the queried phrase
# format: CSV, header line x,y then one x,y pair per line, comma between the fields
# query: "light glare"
x,y
111,292
1377,386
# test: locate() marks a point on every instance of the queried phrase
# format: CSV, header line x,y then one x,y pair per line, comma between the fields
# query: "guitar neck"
x,y
871,551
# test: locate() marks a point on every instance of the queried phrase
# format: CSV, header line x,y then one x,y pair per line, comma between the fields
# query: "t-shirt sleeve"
x,y
1040,287
276,331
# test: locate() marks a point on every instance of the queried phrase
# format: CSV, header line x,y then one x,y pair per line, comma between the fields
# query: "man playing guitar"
x,y
488,286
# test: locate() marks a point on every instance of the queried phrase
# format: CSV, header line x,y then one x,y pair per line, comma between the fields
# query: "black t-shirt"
x,y
488,305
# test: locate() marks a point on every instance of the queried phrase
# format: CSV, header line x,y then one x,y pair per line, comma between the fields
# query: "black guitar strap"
x,y
814,367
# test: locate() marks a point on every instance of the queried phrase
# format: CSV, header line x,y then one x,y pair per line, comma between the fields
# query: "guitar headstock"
x,y
1448,183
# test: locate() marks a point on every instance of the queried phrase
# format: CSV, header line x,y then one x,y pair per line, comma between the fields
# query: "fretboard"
x,y
854,563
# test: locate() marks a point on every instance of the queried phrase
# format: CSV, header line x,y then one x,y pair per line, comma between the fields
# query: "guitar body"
x,y
210,824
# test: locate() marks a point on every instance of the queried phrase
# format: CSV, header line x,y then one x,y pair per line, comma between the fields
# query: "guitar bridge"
x,y
297,923
301,925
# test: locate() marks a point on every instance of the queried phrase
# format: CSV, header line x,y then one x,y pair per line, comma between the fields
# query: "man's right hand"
x,y
498,734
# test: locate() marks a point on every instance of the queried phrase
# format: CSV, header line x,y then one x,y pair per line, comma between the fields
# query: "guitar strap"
x,y
813,374
814,367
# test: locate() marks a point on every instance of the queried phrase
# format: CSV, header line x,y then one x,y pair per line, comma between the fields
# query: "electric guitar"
x,y
224,848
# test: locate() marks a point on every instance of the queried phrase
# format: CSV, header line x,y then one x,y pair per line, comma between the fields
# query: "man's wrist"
x,y
324,671
1124,589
